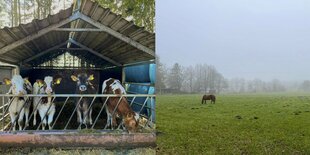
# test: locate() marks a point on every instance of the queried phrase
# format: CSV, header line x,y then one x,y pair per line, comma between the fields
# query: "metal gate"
x,y
66,110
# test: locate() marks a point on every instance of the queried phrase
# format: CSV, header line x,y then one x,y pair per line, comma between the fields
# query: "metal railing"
x,y
67,105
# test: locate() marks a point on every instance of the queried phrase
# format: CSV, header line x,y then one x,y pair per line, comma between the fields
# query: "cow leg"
x,y
35,110
79,117
13,117
35,117
42,114
50,118
85,117
90,119
113,121
27,116
109,117
20,119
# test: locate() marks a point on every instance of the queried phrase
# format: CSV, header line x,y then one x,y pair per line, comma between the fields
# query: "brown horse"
x,y
208,97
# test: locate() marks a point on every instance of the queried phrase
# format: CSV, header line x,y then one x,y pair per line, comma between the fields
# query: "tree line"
x,y
15,12
189,79
204,78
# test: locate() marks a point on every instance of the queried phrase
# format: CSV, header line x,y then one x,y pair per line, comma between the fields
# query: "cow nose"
x,y
83,87
48,91
20,93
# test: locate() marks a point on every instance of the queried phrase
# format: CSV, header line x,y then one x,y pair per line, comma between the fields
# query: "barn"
x,y
83,38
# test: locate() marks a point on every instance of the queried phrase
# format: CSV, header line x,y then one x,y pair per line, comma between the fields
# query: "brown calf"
x,y
123,110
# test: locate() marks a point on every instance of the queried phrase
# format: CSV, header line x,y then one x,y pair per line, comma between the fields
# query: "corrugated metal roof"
x,y
101,42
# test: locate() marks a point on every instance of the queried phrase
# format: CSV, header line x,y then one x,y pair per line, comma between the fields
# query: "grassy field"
x,y
236,124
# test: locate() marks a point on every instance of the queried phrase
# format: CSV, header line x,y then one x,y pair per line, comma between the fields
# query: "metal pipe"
x,y
3,113
77,104
60,111
79,95
34,108
105,102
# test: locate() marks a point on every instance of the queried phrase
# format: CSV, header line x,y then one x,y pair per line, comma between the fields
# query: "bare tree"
x,y
161,75
175,77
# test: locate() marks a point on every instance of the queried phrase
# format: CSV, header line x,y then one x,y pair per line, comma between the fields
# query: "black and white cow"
x,y
17,107
84,86
44,105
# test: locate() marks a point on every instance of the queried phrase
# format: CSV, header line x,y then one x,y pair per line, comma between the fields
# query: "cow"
x,y
29,89
45,105
84,86
17,106
208,97
123,110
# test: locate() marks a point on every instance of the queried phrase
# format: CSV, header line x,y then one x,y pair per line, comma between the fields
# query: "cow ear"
x,y
91,77
58,80
129,115
40,82
7,81
74,78
26,79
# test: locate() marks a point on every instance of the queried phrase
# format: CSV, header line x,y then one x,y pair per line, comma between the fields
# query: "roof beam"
x,y
94,52
72,49
27,33
45,52
8,61
116,34
11,34
78,29
38,34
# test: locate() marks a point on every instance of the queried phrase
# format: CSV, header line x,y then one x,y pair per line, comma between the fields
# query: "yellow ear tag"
x,y
74,78
7,81
27,81
58,81
91,77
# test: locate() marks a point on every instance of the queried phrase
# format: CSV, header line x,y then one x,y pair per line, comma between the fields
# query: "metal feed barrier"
x,y
66,108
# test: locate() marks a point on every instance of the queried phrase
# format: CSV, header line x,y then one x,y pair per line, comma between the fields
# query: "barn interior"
x,y
84,37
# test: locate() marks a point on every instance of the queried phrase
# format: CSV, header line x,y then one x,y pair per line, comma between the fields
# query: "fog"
x,y
264,39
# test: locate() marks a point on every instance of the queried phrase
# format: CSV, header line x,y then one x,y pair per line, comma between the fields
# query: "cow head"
x,y
17,83
47,85
83,81
27,85
112,86
130,122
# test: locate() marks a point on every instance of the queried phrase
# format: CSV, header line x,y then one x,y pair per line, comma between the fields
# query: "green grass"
x,y
236,124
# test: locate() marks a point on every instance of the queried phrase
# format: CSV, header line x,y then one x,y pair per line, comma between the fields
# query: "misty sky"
x,y
263,39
